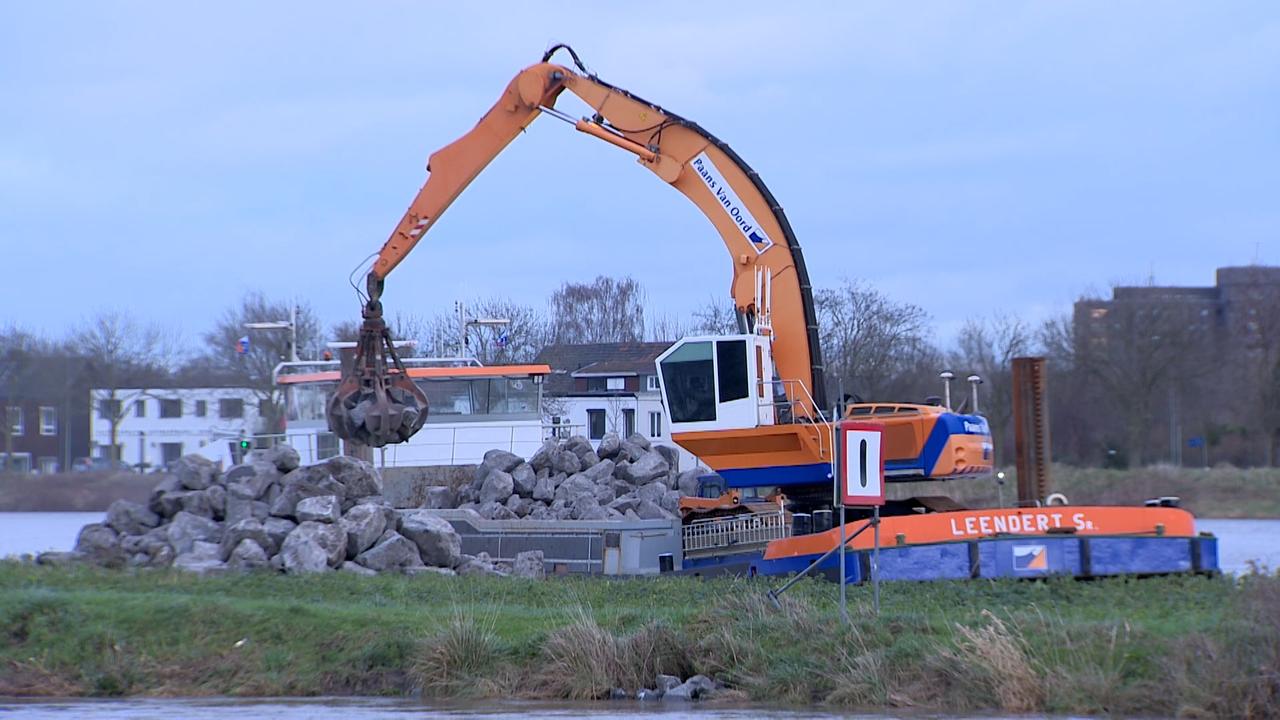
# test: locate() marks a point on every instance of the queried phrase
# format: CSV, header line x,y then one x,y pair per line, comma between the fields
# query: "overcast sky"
x,y
972,158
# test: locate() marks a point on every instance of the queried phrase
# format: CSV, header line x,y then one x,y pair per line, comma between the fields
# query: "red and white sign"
x,y
859,464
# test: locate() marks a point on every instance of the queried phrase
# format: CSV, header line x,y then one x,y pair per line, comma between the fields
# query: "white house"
x,y
598,388
156,426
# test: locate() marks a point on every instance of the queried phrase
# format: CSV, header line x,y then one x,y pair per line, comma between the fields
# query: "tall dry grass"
x,y
464,658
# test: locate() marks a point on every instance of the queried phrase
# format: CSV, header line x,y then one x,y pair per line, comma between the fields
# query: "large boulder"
x,y
648,466
240,508
283,457
303,554
600,472
541,460
256,478
524,478
131,518
247,529
322,508
305,482
358,477
194,472
529,564
573,486
480,564
195,502
168,484
652,492
364,524
100,544
437,541
501,460
687,481
329,537
670,502
217,495
545,489
187,528
695,688
440,497
392,551
277,530
248,555
609,446
649,510
565,461
670,454
497,487
639,441
202,559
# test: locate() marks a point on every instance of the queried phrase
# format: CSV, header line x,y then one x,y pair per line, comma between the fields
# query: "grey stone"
x,y
593,512
565,461
670,454
59,558
478,565
217,495
256,478
393,551
609,446
239,508
497,486
488,509
600,472
277,530
130,518
187,528
695,688
328,536
194,472
687,481
664,683
247,529
541,460
277,562
544,489
502,512
524,477
364,524
357,476
619,694
312,481
649,510
588,459
639,441
440,497
162,556
540,512
629,452
647,467
284,457
248,555
195,502
604,494
199,564
624,503
322,508
502,460
652,492
429,570
357,569
647,695
100,544
670,502
437,541
574,486
630,515
621,487
301,553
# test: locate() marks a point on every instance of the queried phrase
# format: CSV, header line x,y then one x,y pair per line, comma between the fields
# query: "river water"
x,y
1240,542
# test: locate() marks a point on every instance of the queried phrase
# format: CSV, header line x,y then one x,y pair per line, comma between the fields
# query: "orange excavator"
x,y
376,403
750,406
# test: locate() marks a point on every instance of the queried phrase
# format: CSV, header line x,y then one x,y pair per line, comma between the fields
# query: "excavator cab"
x,y
719,383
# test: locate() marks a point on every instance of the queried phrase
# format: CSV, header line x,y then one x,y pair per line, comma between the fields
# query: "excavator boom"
x,y
752,225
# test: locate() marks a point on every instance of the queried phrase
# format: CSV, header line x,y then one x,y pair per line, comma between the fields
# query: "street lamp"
x,y
467,324
291,325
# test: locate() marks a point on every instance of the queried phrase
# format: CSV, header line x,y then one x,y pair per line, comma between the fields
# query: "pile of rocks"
x,y
271,513
624,478
669,687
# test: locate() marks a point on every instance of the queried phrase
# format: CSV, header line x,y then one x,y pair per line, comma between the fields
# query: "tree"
x,y
19,351
255,369
987,348
121,353
716,317
874,348
606,310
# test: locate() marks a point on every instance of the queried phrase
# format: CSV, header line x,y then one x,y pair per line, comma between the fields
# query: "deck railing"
x,y
702,536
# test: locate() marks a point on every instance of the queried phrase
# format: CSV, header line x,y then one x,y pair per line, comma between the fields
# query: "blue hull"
x,y
1006,557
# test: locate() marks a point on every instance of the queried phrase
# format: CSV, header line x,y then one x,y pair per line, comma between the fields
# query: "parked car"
x,y
85,464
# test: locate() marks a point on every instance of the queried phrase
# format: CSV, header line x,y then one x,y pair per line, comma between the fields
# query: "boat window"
x,y
687,375
731,359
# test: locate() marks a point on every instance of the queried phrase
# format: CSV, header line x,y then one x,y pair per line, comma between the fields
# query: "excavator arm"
x,y
752,225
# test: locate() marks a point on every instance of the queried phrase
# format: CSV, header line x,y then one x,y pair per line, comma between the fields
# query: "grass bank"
x,y
1220,492
1162,646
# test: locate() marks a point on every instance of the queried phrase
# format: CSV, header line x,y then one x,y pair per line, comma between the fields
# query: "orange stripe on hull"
x,y
975,524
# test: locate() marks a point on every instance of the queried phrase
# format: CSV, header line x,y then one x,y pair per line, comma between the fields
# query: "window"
x,y
731,361
629,421
202,408
655,424
170,408
231,408
326,445
595,424
48,421
170,452
139,408
48,465
615,383
651,383
108,409
16,463
687,375
16,426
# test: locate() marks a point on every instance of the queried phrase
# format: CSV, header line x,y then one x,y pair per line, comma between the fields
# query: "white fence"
x,y
705,536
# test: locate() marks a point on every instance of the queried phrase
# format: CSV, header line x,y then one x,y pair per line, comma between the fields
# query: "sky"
x,y
972,158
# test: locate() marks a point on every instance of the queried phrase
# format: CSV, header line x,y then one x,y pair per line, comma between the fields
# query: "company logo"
x,y
732,204
1030,558
976,428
